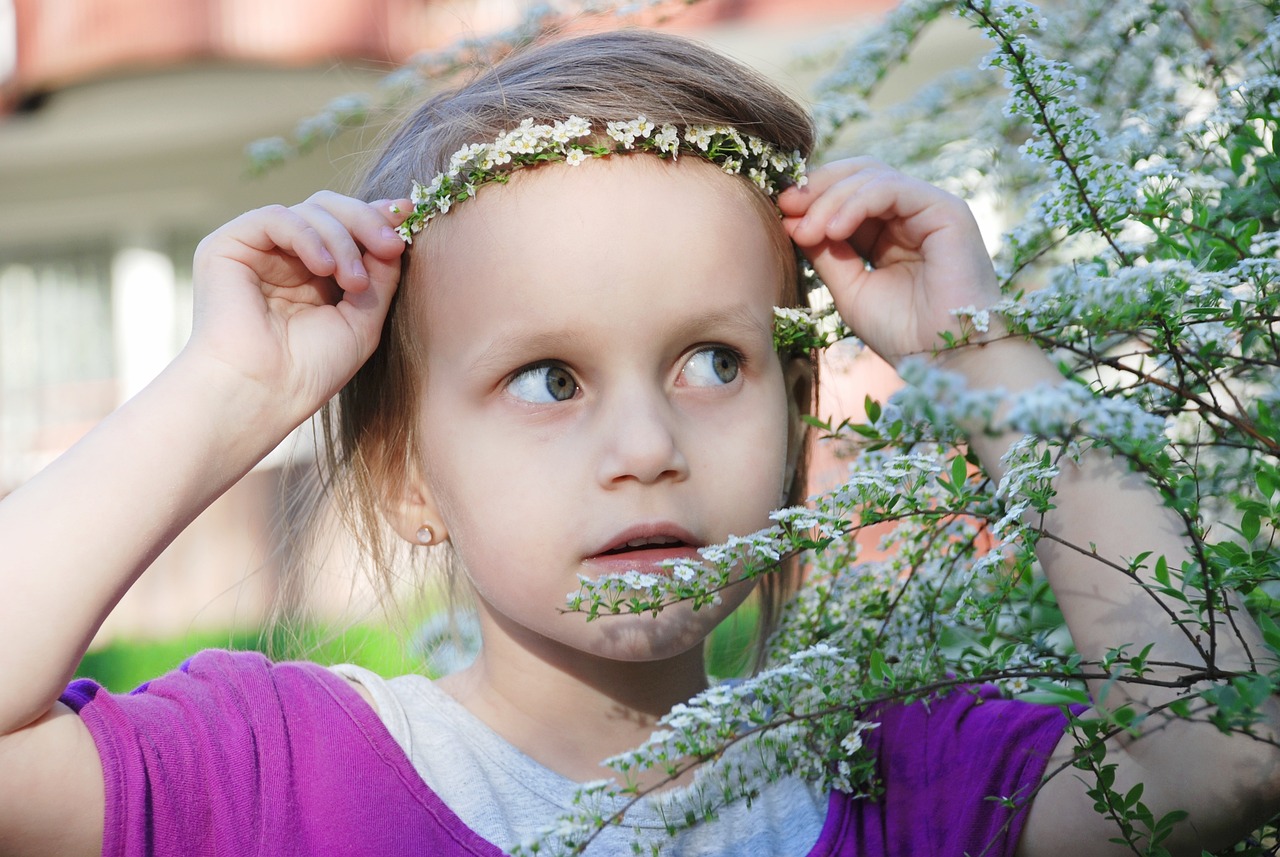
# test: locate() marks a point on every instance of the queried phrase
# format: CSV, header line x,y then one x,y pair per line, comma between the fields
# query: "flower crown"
x,y
574,140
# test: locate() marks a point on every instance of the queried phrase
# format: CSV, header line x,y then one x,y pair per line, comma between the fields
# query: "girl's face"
x,y
601,390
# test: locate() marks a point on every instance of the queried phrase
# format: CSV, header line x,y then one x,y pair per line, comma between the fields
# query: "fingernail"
x,y
357,268
389,234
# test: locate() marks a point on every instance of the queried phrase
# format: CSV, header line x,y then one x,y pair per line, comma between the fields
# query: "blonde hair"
x,y
369,438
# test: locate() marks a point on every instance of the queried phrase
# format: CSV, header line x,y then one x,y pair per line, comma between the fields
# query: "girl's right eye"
x,y
542,385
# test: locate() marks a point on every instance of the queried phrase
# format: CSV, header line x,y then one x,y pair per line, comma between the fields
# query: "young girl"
x,y
571,373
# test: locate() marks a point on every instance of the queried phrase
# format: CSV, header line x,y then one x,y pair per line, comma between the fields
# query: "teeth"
x,y
656,540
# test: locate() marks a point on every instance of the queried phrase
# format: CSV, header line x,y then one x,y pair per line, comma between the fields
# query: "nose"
x,y
640,441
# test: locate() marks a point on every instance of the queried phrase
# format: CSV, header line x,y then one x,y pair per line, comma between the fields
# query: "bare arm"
x,y
289,302
927,260
1229,784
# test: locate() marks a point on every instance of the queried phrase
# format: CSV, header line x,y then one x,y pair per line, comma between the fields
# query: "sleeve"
x,y
232,755
947,766
195,762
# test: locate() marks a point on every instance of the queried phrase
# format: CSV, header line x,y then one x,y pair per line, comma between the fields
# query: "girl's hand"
x,y
923,254
292,300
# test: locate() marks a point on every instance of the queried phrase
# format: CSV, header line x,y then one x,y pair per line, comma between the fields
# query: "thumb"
x,y
841,269
366,311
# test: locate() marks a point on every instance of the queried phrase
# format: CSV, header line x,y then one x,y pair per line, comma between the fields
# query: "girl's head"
x,y
583,358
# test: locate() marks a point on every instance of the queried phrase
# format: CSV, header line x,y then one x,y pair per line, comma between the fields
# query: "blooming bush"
x,y
1131,147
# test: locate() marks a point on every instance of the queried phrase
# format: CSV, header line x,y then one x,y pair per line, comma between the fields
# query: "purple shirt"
x,y
234,755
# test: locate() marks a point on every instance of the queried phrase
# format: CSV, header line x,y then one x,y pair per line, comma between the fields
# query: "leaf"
x,y
1250,525
872,408
1270,631
959,472
1048,693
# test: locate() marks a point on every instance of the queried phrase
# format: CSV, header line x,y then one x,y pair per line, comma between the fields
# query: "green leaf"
x,y
1270,631
959,471
1048,693
1250,525
872,408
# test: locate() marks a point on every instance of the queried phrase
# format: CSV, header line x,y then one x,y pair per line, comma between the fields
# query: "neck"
x,y
567,709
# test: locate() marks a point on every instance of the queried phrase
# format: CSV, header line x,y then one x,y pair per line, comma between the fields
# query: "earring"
x,y
426,535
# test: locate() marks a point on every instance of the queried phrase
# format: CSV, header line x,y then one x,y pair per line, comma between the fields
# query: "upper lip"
x,y
659,534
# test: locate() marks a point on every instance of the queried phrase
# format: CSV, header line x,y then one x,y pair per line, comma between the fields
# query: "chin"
x,y
645,637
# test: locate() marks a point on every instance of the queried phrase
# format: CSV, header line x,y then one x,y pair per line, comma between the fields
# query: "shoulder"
x,y
231,748
968,738
971,712
960,765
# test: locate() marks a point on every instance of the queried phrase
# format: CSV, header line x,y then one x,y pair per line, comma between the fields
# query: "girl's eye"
x,y
543,384
711,367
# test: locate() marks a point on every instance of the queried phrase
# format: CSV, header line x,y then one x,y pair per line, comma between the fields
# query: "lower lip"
x,y
646,560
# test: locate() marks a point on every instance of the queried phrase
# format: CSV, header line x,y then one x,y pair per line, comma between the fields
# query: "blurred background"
x,y
123,134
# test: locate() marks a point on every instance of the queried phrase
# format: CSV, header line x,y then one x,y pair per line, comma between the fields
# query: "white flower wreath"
x,y
574,140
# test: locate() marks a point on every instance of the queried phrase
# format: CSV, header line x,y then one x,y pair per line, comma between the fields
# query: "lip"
x,y
644,559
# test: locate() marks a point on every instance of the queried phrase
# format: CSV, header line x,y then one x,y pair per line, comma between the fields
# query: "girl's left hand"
x,y
924,255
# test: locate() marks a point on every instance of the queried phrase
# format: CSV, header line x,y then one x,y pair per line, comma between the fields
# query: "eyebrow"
x,y
733,321
737,320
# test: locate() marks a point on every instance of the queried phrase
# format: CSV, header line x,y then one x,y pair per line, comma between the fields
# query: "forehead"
x,y
603,232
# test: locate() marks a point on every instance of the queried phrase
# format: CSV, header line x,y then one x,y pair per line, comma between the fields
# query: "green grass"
x,y
124,664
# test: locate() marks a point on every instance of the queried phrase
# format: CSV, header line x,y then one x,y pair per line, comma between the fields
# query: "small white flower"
x,y
575,157
699,135
577,127
640,127
620,131
667,140
418,195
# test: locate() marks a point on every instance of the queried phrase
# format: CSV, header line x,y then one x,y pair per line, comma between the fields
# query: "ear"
x,y
798,377
410,506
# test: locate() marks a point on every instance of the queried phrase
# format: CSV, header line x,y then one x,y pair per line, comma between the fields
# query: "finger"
x,y
861,207
349,268
365,310
264,232
371,224
841,269
396,210
813,225
795,200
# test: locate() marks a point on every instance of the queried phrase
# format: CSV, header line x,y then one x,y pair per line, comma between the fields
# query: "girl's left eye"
x,y
542,385
711,367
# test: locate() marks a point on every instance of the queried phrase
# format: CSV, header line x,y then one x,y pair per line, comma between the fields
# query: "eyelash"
x,y
530,372
740,361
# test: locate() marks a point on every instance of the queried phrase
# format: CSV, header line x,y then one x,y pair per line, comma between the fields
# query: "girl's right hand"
x,y
291,301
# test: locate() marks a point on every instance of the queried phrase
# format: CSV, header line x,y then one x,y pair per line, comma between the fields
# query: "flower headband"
x,y
574,140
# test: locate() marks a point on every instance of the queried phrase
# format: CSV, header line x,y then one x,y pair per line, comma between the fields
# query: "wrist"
x,y
238,418
1008,362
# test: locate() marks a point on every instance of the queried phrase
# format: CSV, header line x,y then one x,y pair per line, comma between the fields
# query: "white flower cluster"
x,y
739,735
843,92
798,330
574,140
1088,189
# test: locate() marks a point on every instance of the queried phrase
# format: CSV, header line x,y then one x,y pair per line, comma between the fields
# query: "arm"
x,y
928,259
289,303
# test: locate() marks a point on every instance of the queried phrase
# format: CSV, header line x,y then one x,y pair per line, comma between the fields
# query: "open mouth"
x,y
649,543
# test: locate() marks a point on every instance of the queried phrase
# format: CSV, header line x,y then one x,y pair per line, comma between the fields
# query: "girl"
x,y
571,374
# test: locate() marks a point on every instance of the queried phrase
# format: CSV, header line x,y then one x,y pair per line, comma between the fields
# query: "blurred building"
x,y
123,127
